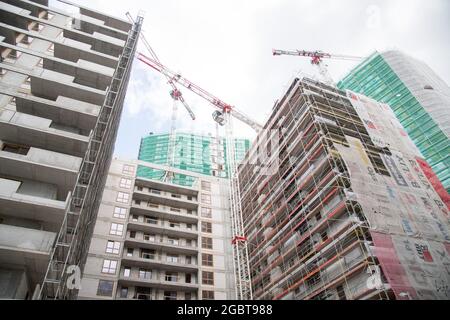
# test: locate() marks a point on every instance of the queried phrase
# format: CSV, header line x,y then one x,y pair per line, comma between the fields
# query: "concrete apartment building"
x,y
419,98
349,212
62,85
155,240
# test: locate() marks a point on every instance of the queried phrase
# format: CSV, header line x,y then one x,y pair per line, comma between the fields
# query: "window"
x,y
207,295
137,202
188,278
105,288
135,217
187,296
119,212
207,259
127,169
189,226
139,188
129,252
123,197
171,276
170,295
207,243
124,292
143,293
188,259
188,243
172,258
149,237
206,198
175,209
173,241
208,278
132,234
113,247
116,229
125,183
206,185
206,212
15,148
109,266
151,220
174,224
206,227
148,253
145,274
174,195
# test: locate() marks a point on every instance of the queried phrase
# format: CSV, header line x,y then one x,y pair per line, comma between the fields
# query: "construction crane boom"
x,y
218,103
175,93
317,59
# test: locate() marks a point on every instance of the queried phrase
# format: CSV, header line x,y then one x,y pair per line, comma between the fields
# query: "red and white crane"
x,y
223,116
317,59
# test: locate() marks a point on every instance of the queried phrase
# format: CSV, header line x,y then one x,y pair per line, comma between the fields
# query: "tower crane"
x,y
317,59
223,116
176,95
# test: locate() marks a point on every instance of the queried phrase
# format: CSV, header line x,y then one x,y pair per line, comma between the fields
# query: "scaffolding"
x,y
309,225
72,242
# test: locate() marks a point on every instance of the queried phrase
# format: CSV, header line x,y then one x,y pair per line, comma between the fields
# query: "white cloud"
x,y
225,47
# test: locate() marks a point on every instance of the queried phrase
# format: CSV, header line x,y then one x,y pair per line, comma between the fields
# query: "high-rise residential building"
x,y
419,99
63,78
343,207
155,240
204,154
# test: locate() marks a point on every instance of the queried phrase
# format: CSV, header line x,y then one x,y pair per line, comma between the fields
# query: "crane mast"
x,y
223,116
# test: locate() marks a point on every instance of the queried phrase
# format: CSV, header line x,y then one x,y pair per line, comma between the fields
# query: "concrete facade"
x,y
54,73
157,240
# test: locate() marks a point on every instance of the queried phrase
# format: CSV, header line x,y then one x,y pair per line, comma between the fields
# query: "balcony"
x,y
16,204
166,198
157,262
162,228
26,129
41,165
26,247
160,244
164,212
158,281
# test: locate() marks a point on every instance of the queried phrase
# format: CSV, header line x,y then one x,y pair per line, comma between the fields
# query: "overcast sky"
x,y
225,47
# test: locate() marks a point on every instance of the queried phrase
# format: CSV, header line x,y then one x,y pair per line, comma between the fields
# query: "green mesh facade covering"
x,y
375,78
195,153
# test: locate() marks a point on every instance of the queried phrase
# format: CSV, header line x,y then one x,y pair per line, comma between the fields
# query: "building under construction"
x,y
341,206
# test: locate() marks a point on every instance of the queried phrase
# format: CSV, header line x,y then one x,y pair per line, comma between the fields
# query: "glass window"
x,y
207,295
125,183
113,247
206,212
124,292
123,197
171,276
119,212
207,243
105,288
206,185
207,259
129,252
109,266
206,227
116,229
208,278
127,169
170,295
126,272
206,198
173,241
172,258
145,274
